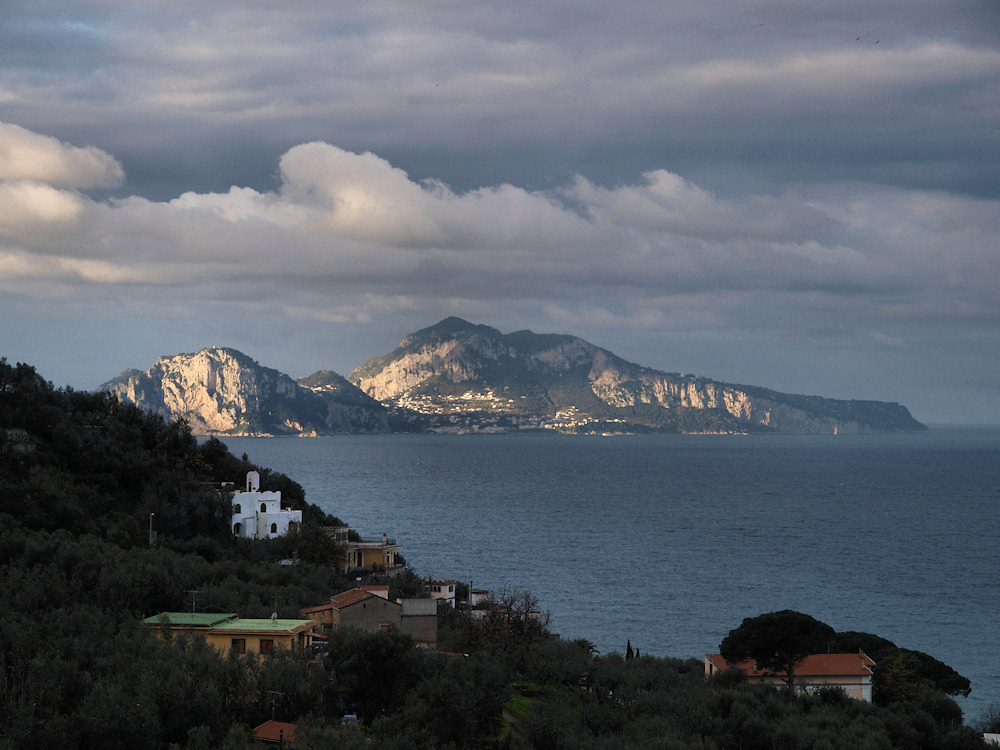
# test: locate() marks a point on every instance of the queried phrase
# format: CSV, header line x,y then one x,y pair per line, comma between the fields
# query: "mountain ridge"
x,y
457,376
221,391
572,385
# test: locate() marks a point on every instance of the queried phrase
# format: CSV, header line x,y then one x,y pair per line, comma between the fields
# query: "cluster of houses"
x,y
258,514
369,608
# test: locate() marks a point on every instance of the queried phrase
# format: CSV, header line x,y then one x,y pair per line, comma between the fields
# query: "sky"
x,y
800,196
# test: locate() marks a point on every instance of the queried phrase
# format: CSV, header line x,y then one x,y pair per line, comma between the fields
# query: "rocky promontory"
x,y
221,391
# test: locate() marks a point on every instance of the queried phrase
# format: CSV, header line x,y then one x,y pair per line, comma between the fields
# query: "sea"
x,y
667,542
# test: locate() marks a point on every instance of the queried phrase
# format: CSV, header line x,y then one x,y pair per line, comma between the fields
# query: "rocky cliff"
x,y
221,391
460,376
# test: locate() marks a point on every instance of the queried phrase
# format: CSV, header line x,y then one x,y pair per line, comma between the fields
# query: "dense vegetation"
x,y
81,475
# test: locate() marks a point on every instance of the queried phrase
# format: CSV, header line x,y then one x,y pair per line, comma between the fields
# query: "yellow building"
x,y
365,555
243,635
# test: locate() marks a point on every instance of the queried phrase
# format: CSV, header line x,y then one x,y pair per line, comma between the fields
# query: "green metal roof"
x,y
189,619
264,625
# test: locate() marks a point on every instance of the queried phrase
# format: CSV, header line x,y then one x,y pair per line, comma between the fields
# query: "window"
x,y
384,626
237,509
274,528
263,507
239,645
237,528
266,644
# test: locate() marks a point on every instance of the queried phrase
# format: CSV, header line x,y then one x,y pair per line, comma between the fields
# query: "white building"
x,y
259,515
443,591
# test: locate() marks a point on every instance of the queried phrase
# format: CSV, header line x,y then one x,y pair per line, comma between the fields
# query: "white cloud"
x,y
24,204
340,219
25,155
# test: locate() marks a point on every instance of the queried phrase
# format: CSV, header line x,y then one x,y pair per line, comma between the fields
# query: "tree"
x,y
901,673
989,719
777,641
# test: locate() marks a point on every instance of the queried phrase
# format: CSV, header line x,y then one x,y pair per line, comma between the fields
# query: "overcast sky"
x,y
802,196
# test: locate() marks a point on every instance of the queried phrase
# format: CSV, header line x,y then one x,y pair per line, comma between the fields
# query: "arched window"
x,y
237,528
274,528
263,507
237,509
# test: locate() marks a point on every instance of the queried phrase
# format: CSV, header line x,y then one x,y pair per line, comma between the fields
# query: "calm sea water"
x,y
670,541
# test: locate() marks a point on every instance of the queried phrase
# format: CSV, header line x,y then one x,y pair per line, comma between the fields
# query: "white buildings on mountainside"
x,y
259,515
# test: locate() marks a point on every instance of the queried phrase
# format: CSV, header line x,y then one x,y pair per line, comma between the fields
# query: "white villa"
x,y
259,515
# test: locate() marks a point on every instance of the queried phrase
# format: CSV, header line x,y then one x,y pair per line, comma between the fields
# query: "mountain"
x,y
221,391
459,376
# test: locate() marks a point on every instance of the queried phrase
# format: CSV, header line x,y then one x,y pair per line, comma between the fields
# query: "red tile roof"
x,y
275,731
349,597
815,665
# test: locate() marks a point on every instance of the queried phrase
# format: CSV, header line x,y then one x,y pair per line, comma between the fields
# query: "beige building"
x,y
850,672
369,608
355,608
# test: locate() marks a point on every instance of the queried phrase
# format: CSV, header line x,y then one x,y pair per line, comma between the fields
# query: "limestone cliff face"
x,y
222,391
518,377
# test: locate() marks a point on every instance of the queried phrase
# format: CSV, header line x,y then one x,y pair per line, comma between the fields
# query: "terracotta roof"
x,y
275,731
814,665
349,597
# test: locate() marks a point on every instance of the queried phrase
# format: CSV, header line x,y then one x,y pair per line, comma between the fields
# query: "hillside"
x,y
460,376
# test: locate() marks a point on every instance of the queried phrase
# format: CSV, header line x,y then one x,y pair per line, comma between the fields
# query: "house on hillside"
x,y
443,591
478,603
369,608
259,515
355,608
850,672
376,556
242,635
418,619
271,732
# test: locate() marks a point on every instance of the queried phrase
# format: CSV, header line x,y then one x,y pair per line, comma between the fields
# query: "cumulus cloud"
x,y
363,197
339,219
25,204
28,156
